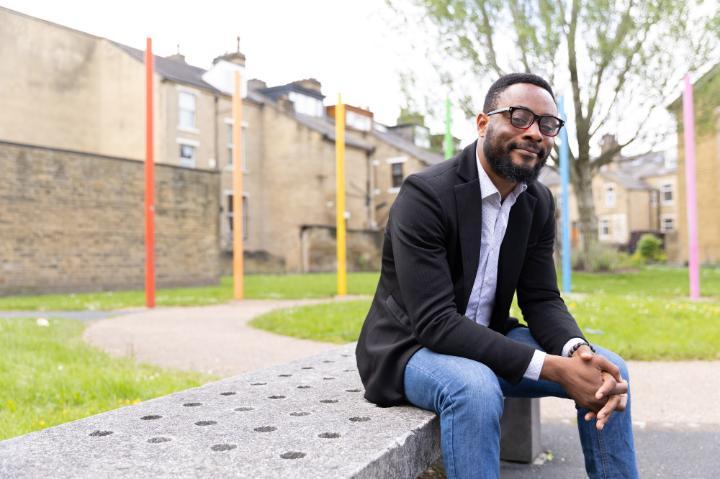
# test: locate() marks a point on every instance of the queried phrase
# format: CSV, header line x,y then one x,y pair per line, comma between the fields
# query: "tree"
x,y
619,59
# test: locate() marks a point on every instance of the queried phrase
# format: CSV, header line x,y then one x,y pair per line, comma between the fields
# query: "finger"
x,y
623,403
607,386
604,414
605,365
590,416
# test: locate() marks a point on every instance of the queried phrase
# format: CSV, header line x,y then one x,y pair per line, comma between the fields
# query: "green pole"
x,y
448,145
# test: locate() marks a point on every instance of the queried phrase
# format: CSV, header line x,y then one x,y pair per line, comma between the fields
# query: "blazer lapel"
x,y
469,220
512,252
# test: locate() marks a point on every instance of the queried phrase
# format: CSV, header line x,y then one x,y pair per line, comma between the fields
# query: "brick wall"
x,y
74,222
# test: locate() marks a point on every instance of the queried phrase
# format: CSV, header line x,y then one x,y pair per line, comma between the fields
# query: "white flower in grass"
x,y
42,322
60,367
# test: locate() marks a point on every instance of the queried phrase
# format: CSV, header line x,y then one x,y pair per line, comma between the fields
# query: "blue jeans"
x,y
468,397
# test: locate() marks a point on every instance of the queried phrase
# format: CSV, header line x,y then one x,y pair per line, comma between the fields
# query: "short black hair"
x,y
510,79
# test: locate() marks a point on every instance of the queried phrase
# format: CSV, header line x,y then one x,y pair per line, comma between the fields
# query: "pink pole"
x,y
690,198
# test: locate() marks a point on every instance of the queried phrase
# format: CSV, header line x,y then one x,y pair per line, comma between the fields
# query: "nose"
x,y
533,133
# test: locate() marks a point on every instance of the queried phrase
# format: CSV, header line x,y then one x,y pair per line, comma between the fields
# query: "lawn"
x,y
49,376
654,281
267,286
643,315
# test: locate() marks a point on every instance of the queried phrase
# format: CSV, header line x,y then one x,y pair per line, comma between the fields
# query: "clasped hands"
x,y
591,380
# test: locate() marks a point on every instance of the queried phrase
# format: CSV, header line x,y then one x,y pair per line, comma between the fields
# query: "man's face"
x,y
513,153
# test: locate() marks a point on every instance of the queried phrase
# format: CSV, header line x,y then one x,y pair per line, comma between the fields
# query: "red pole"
x,y
149,182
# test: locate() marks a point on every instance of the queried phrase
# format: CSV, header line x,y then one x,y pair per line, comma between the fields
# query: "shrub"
x,y
603,259
649,249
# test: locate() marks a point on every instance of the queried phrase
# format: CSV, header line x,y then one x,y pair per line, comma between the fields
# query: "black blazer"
x,y
430,256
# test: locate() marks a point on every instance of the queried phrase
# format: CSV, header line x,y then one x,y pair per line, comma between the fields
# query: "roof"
x,y
549,176
276,91
427,157
327,128
625,180
174,70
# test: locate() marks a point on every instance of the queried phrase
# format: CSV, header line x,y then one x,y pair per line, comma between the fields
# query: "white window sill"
x,y
188,129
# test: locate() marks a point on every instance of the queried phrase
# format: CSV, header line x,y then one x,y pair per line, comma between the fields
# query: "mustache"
x,y
538,150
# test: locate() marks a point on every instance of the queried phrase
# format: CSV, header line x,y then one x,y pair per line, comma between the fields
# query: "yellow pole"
x,y
237,192
340,195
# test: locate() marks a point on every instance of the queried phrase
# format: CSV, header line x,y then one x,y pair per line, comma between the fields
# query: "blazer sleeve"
x,y
551,324
418,233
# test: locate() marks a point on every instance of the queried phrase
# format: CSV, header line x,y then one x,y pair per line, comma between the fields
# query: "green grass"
x,y
337,322
49,376
291,286
638,326
657,281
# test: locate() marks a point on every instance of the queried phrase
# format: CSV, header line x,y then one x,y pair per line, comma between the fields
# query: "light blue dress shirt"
x,y
495,215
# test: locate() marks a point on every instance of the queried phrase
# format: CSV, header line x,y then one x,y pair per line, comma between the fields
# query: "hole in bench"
x,y
258,384
292,455
300,413
348,370
205,423
307,367
359,419
192,404
328,361
329,435
244,408
158,440
265,429
304,386
100,433
276,397
229,393
328,401
223,447
284,375
150,417
353,390
328,378
345,355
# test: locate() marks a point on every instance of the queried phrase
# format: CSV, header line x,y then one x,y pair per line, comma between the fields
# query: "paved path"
x,y
217,340
210,339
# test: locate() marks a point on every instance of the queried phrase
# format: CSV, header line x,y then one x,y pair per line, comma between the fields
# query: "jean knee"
x,y
477,389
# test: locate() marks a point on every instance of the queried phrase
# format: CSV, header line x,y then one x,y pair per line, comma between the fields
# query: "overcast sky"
x,y
349,46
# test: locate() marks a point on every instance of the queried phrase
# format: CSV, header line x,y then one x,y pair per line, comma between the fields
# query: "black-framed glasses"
x,y
523,118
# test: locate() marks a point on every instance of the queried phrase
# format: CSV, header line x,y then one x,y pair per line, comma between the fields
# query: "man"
x,y
462,237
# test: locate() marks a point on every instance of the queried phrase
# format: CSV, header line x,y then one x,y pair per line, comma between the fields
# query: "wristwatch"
x,y
577,346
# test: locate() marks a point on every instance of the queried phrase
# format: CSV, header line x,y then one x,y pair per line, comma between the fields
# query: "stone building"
x,y
707,167
63,90
632,196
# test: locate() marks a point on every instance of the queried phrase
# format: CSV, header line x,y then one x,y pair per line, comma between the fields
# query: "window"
x,y
229,210
666,193
187,155
422,137
609,195
243,144
358,121
397,174
667,223
186,103
604,228
306,105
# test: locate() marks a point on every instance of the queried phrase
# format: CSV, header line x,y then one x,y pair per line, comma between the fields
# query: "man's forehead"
x,y
528,95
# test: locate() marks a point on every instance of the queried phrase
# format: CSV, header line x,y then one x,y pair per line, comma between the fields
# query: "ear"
x,y
481,122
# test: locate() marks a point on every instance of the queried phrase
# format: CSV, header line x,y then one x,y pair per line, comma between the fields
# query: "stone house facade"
x,y
707,168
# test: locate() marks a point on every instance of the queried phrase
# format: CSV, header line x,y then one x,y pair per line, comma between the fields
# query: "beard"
x,y
498,156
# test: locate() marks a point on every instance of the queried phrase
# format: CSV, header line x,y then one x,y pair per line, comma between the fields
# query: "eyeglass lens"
x,y
523,119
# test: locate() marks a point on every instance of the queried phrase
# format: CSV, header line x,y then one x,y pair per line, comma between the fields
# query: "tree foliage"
x,y
617,62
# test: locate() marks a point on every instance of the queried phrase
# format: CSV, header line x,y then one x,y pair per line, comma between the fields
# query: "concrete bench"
x,y
303,419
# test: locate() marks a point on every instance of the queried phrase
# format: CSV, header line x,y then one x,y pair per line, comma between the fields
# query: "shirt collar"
x,y
488,188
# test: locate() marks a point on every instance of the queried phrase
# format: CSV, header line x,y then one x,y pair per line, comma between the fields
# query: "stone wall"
x,y
319,249
74,222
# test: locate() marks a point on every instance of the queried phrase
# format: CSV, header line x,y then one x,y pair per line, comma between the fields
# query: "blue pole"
x,y
565,200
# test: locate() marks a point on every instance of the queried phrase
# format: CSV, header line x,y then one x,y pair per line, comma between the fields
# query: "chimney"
x,y
234,57
177,57
254,84
608,142
310,84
